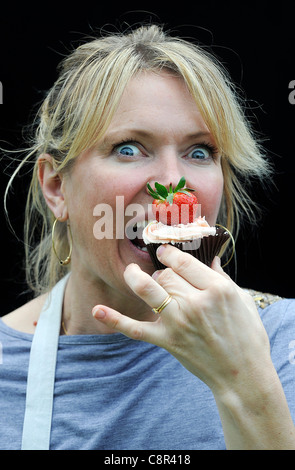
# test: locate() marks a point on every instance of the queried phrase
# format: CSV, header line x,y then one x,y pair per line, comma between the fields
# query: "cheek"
x,y
210,192
93,198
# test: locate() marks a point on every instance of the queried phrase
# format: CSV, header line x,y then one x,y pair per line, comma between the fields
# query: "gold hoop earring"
x,y
62,262
233,244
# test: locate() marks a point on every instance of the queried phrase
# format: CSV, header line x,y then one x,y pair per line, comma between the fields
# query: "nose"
x,y
167,173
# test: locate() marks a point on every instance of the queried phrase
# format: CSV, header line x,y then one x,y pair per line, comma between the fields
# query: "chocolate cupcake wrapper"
x,y
204,249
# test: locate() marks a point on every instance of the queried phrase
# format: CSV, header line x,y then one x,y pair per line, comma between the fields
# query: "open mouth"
x,y
134,233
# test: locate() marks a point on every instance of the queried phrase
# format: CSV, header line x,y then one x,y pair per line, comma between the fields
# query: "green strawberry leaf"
x,y
169,198
162,191
152,192
184,191
163,194
180,185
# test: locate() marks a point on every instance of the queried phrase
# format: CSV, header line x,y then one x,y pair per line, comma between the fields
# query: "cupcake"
x,y
176,223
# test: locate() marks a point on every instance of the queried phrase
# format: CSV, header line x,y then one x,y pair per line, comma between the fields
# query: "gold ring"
x,y
164,304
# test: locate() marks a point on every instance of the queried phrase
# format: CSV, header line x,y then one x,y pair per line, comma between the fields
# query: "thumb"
x,y
120,323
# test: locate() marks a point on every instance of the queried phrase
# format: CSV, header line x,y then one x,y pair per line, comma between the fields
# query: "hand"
x,y
211,325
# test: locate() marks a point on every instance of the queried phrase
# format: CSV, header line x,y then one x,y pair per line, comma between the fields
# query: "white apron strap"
x,y
41,374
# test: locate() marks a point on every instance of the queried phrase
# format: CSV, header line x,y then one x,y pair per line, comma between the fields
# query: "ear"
x,y
51,184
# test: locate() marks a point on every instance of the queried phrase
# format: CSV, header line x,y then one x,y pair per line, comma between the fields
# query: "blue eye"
x,y
127,150
200,153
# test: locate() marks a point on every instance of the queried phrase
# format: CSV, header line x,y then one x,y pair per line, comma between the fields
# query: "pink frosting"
x,y
156,232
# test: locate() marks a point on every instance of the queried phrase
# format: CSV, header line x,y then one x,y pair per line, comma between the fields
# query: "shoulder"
x,y
277,313
279,321
263,299
278,317
25,317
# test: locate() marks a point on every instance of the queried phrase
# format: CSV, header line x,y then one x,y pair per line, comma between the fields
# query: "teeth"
x,y
144,248
137,229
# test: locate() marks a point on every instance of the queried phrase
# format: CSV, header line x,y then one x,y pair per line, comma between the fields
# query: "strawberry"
x,y
173,206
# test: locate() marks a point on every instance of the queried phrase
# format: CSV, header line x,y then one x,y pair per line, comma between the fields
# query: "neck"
x,y
80,298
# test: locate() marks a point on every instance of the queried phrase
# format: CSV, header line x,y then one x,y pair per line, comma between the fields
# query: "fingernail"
x,y
160,250
218,261
98,312
156,274
132,266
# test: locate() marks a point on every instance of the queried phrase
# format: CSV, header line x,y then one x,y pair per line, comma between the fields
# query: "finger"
x,y
216,266
145,287
140,331
191,269
176,285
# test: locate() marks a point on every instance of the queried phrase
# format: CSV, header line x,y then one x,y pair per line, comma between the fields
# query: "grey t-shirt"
x,y
114,393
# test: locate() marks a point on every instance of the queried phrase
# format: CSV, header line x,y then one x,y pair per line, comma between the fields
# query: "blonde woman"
x,y
101,370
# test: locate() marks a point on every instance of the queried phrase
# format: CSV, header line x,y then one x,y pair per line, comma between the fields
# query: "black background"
x,y
255,41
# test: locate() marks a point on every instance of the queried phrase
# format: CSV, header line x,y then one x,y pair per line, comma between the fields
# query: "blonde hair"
x,y
78,109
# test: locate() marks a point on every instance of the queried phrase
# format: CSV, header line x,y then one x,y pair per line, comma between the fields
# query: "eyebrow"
x,y
146,134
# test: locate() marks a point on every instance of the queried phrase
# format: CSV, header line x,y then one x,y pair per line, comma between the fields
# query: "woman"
x,y
127,110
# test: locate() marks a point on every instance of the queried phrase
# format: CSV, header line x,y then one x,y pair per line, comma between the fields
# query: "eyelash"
x,y
124,141
207,145
212,149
